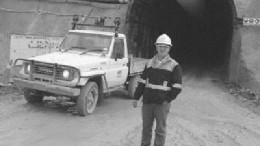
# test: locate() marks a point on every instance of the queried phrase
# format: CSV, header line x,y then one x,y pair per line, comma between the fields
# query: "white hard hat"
x,y
164,39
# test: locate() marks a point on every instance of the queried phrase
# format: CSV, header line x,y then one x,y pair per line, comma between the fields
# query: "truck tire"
x,y
133,82
32,96
87,100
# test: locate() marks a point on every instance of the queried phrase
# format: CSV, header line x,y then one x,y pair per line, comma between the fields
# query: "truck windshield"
x,y
87,42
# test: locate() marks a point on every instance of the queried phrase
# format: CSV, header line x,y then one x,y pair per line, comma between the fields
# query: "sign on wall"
x,y
251,21
25,46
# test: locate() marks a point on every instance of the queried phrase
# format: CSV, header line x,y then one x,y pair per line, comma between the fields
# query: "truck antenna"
x,y
75,20
117,22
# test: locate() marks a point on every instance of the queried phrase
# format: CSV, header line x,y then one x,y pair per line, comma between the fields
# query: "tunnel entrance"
x,y
199,39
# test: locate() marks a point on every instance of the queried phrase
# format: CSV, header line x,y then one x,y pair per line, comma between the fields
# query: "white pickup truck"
x,y
87,64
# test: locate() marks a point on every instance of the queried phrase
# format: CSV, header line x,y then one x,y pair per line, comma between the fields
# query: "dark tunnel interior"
x,y
203,40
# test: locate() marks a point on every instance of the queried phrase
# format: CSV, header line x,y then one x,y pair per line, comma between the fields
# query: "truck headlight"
x,y
65,74
27,68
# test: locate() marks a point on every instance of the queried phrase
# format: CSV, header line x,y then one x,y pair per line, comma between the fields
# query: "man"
x,y
160,83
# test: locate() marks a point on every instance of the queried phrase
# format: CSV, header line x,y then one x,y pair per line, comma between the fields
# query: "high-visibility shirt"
x,y
160,81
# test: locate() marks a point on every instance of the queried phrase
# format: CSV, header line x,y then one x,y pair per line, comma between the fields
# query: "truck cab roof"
x,y
97,32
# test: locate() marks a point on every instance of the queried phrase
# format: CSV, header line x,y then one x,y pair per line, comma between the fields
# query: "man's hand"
x,y
135,103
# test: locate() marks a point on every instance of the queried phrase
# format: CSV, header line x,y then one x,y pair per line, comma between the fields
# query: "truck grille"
x,y
47,70
40,69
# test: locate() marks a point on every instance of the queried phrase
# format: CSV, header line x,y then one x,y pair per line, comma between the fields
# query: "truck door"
x,y
118,63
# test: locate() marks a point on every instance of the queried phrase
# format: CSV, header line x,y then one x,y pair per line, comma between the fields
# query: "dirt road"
x,y
204,114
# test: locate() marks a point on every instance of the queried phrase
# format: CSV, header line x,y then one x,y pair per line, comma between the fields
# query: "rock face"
x,y
202,31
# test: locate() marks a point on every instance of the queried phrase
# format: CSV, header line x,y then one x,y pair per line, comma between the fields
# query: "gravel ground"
x,y
206,113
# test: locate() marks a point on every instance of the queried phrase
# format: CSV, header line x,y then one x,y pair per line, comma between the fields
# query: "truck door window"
x,y
118,50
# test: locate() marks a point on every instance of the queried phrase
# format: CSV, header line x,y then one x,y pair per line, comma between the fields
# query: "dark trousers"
x,y
157,112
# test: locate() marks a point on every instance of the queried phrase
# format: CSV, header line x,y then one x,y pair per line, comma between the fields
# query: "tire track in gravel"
x,y
179,133
239,134
215,132
133,137
219,138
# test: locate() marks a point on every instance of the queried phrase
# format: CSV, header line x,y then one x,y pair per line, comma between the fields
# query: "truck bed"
x,y
136,65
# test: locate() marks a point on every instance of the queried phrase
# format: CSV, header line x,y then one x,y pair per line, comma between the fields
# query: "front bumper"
x,y
56,89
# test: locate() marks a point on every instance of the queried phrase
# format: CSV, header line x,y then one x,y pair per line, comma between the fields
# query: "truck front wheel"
x,y
133,82
87,100
32,96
